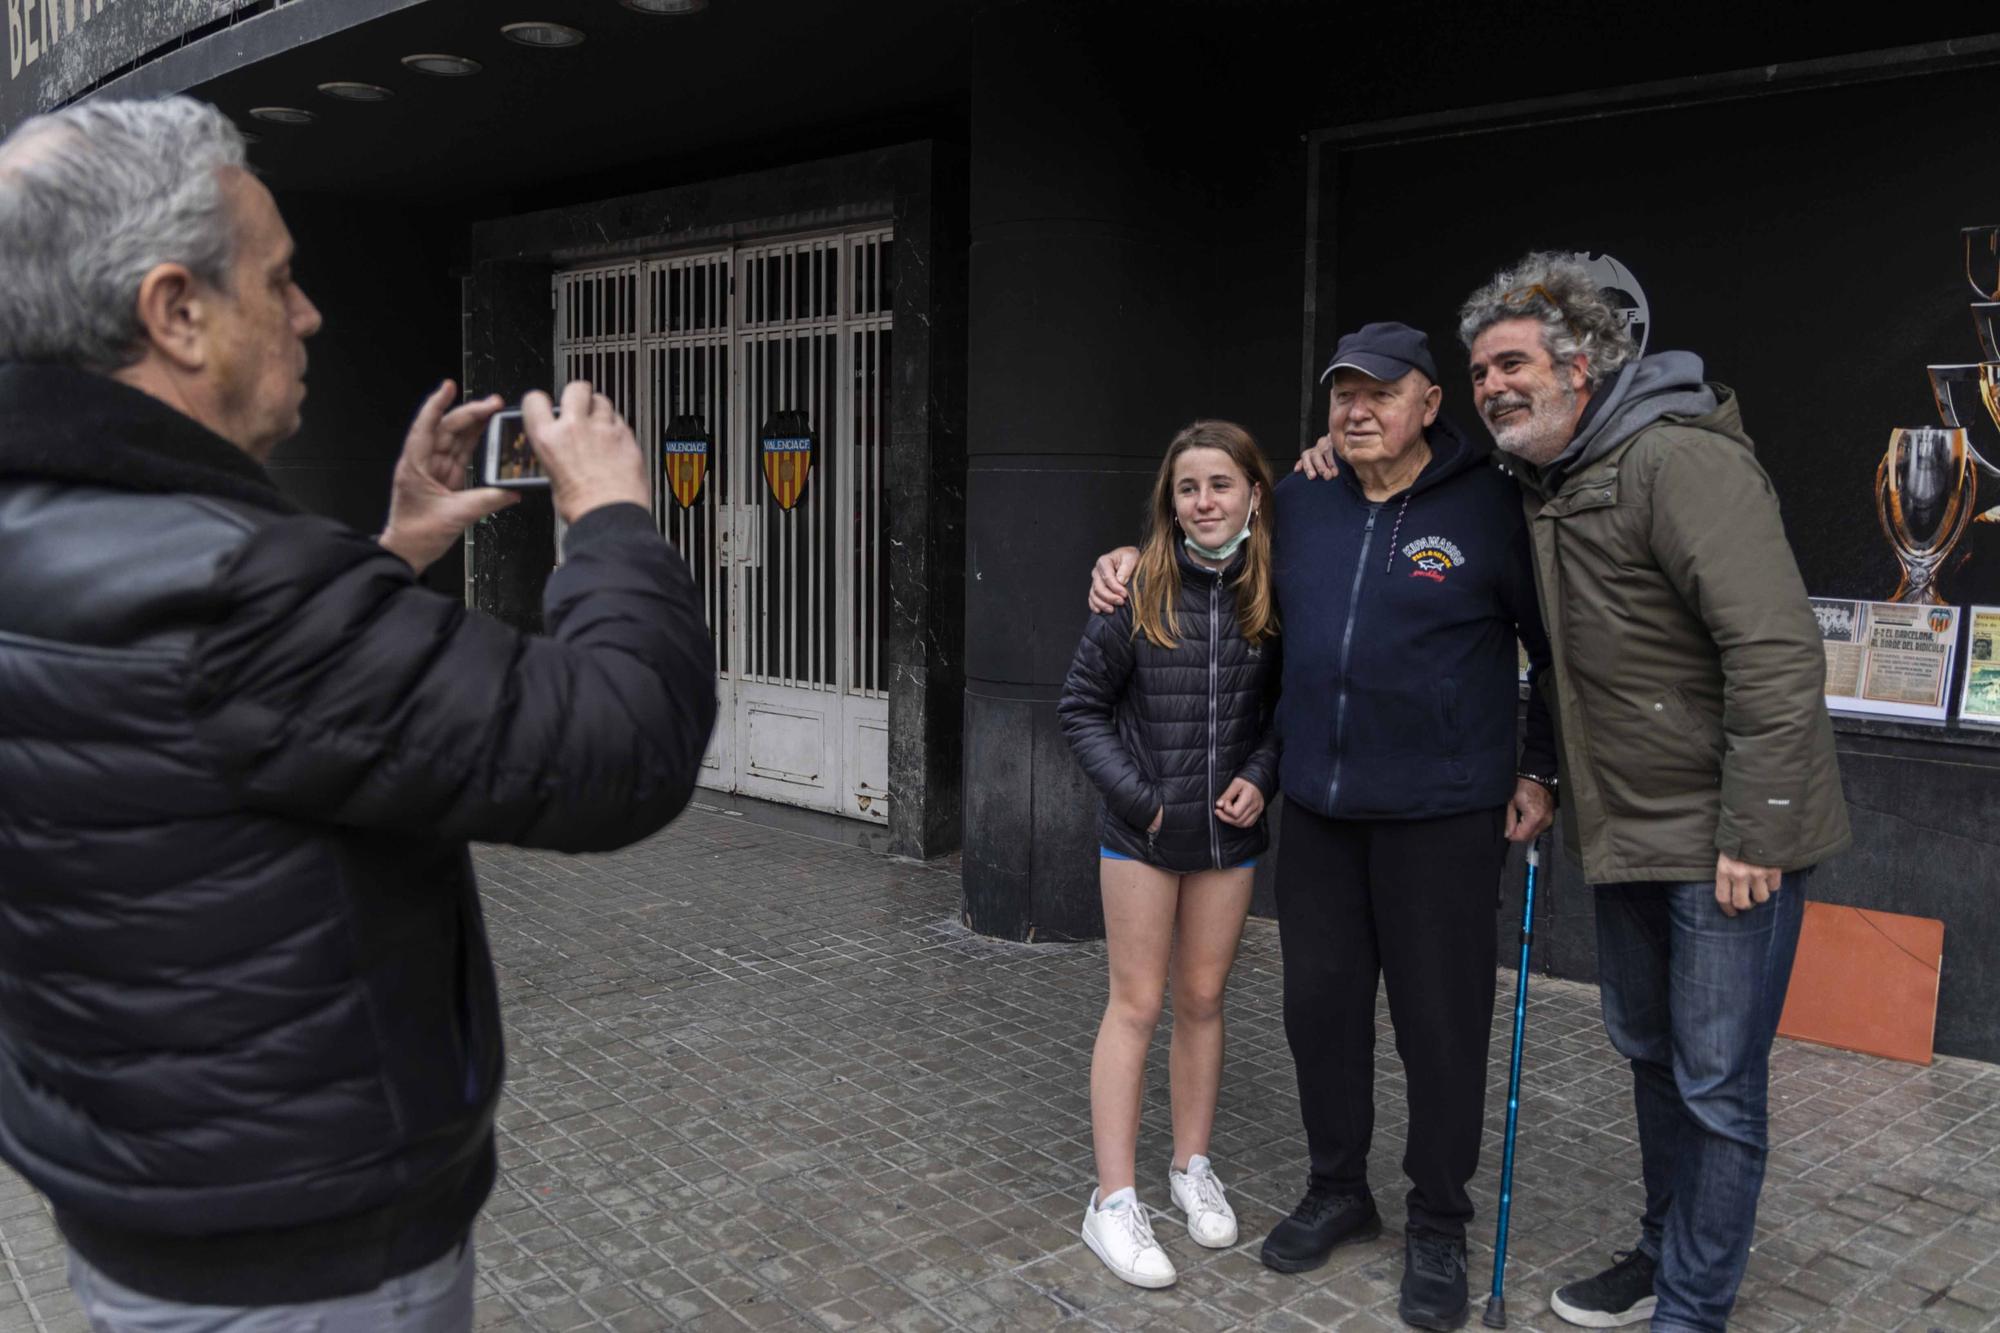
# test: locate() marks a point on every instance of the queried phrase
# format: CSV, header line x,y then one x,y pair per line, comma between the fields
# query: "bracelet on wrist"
x,y
1549,780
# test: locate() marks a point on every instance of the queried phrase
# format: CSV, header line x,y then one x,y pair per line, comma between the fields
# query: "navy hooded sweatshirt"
x,y
1401,678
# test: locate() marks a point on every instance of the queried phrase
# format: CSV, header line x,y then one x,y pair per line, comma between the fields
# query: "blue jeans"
x,y
1691,997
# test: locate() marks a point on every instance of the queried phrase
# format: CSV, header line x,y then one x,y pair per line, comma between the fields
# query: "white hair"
x,y
92,198
1559,293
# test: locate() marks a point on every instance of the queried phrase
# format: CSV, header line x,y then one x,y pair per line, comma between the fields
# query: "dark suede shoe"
x,y
1324,1219
1433,1281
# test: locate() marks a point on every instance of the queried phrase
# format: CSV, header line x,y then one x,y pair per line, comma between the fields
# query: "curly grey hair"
x,y
92,198
1560,292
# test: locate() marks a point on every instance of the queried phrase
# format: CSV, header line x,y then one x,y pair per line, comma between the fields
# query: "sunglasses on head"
x,y
1521,296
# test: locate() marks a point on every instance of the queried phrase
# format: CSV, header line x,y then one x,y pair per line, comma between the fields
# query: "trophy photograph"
x,y
1927,484
1986,327
1924,488
1966,401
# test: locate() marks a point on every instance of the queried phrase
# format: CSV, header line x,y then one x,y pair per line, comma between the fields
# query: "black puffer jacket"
x,y
1169,728
249,1039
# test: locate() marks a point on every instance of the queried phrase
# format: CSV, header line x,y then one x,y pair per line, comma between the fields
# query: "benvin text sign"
x,y
58,48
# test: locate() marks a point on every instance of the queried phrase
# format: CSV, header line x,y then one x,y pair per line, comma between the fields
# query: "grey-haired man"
x,y
1697,757
251,1047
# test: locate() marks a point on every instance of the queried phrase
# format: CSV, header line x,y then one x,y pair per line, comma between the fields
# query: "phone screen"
x,y
510,454
514,457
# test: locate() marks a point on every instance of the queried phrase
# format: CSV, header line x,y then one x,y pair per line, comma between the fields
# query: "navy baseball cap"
x,y
1383,351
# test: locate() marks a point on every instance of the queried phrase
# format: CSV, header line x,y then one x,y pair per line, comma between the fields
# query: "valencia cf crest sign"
x,y
788,446
1621,289
684,459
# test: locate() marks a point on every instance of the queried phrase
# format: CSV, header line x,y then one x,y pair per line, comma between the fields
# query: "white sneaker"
x,y
1210,1219
1122,1236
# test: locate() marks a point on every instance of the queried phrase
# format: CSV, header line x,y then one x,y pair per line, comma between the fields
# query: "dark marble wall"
x,y
927,507
381,279
509,349
1137,262
920,190
1089,277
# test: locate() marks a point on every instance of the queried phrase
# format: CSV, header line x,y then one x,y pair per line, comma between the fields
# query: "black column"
x,y
509,337
927,503
1089,273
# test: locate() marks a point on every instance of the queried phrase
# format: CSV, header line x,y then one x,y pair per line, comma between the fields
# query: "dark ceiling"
x,y
756,83
744,79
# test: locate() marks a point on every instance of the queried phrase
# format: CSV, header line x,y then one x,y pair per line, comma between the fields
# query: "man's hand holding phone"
x,y
590,455
429,504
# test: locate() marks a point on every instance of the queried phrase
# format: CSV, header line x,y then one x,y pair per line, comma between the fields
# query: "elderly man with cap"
x,y
1402,592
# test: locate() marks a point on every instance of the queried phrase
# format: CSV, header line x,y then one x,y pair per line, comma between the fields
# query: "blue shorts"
x,y
1109,855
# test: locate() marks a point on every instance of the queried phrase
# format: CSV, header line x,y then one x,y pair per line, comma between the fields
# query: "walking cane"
x,y
1496,1304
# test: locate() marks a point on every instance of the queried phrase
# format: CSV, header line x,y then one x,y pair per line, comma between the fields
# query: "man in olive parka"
x,y
1697,755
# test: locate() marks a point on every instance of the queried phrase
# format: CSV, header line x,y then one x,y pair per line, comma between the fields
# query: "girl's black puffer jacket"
x,y
1170,728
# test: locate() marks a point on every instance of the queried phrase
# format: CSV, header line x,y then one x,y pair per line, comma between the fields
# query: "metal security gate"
x,y
758,377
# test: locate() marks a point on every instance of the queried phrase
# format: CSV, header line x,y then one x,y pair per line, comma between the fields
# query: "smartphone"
x,y
510,461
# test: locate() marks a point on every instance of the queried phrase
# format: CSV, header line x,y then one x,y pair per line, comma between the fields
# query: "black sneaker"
x,y
1622,1294
1324,1220
1433,1281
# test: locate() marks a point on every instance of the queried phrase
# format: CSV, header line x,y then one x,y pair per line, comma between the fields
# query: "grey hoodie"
x,y
1644,391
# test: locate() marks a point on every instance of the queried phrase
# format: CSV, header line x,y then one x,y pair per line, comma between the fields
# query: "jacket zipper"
x,y
1214,650
1346,647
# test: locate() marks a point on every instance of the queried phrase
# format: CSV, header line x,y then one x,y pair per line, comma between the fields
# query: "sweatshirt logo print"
x,y
1434,557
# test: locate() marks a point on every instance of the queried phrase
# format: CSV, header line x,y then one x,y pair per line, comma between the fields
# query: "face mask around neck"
x,y
1220,553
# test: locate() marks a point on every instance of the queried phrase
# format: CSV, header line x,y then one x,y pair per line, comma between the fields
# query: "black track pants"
x,y
1412,901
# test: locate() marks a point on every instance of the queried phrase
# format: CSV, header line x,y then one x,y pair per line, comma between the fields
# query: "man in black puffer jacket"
x,y
250,1042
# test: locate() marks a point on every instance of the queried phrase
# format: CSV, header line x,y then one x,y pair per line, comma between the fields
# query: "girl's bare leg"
x,y
1207,928
1139,908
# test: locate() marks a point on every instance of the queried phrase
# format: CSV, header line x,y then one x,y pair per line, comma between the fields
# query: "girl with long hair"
x,y
1169,706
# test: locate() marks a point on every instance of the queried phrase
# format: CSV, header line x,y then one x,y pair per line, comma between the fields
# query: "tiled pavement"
x,y
764,1081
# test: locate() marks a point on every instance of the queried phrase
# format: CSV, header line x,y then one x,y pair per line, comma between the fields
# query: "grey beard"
x,y
1538,441
1544,435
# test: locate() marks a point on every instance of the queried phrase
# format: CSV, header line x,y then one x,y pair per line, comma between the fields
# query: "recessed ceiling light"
x,y
541,34
436,62
247,137
667,6
283,115
357,92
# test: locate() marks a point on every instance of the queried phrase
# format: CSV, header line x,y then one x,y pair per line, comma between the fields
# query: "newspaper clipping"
x,y
1980,702
1888,658
1840,631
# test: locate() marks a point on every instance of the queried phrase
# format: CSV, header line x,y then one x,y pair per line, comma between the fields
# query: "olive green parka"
x,y
1688,667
